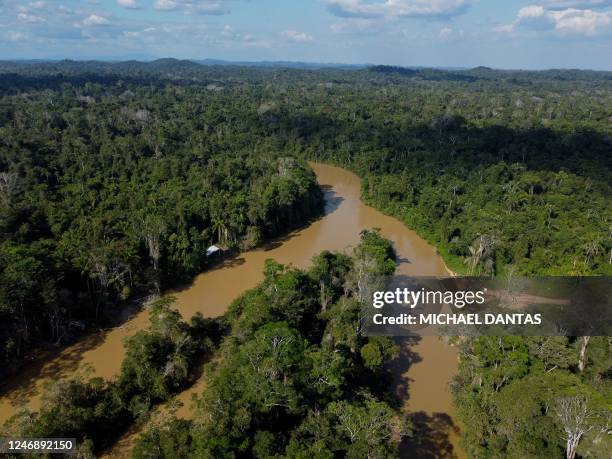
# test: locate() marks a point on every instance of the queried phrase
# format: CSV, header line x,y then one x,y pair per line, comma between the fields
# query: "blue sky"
x,y
501,34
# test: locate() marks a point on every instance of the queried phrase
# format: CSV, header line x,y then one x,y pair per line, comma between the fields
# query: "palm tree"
x,y
474,257
220,227
486,244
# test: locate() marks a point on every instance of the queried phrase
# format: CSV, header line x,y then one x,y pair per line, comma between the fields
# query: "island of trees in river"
x,y
115,178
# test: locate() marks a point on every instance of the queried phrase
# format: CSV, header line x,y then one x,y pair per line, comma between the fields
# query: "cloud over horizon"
x,y
401,32
397,8
132,4
213,7
552,17
297,37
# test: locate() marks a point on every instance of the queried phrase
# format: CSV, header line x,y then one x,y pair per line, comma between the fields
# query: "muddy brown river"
x,y
421,375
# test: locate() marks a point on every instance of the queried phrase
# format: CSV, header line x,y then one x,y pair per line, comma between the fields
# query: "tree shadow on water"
x,y
332,199
51,365
400,366
431,437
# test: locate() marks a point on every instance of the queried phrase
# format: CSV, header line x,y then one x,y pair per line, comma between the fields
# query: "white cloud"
x,y
504,28
445,32
94,20
297,37
61,9
165,5
208,7
132,4
28,7
228,32
15,36
214,7
533,17
138,33
356,25
397,8
29,18
584,22
232,38
575,21
231,35
563,4
531,11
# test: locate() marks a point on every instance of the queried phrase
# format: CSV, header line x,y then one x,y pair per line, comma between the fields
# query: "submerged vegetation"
x,y
115,178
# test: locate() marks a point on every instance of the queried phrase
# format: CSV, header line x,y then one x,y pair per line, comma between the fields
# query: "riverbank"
x,y
211,292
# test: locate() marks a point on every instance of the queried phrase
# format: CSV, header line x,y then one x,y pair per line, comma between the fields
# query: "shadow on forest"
x,y
12,82
450,143
431,437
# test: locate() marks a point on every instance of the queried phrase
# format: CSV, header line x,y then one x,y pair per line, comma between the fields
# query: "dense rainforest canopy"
x,y
102,202
114,178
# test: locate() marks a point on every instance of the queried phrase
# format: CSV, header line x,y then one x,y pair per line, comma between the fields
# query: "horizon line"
x,y
246,63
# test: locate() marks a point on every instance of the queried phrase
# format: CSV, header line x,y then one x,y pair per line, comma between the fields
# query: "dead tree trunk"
x,y
583,349
576,420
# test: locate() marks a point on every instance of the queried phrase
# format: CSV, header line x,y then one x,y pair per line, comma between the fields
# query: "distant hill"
x,y
208,62
25,74
283,64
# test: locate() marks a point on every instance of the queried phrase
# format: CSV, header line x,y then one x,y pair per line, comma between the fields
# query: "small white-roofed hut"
x,y
213,250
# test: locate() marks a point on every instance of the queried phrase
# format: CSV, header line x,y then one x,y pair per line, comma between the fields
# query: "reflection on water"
x,y
421,377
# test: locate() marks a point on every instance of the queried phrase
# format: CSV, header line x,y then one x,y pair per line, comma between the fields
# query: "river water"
x,y
421,375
